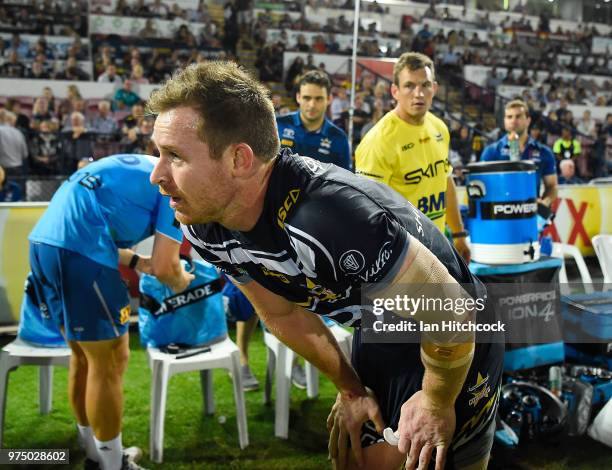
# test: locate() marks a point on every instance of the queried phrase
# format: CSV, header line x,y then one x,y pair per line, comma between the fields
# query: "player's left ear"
x,y
243,159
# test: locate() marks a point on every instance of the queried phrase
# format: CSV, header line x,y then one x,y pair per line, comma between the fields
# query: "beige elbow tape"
x,y
447,357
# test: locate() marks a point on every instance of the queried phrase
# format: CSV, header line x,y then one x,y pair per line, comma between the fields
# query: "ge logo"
x,y
352,262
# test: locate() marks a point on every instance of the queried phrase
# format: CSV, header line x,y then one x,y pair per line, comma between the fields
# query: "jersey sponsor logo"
x,y
384,255
323,151
424,140
352,262
320,292
433,204
289,202
407,146
481,389
287,142
124,314
280,276
288,133
509,210
439,167
312,164
439,137
417,221
90,181
325,142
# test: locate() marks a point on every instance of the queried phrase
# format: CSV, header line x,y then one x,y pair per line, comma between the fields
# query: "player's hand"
x,y
344,422
144,265
462,247
423,427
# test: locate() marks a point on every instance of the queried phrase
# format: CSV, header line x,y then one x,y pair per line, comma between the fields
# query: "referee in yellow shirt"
x,y
408,148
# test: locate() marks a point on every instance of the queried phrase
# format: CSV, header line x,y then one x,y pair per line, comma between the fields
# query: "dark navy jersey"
x,y
323,236
328,144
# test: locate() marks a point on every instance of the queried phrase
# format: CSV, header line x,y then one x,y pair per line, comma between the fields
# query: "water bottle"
x,y
555,380
513,144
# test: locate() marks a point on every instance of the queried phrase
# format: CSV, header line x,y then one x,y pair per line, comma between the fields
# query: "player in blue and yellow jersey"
x,y
75,249
307,131
408,148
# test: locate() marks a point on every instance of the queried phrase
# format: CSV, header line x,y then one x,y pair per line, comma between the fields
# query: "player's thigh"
x,y
95,300
379,456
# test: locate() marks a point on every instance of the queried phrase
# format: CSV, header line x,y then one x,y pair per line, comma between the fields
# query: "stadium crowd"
x,y
50,40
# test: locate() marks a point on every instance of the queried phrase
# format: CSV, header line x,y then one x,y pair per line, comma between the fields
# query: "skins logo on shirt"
x,y
352,262
430,171
289,202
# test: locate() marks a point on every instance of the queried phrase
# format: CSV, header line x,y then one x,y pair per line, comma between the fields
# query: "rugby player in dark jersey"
x,y
304,239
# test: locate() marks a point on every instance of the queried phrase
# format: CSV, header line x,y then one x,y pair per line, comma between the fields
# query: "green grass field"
x,y
195,441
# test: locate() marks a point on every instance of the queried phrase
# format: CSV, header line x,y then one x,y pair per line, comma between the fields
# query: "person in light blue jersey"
x,y
307,131
75,248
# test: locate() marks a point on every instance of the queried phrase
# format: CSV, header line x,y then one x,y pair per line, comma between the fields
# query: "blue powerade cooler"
x,y
502,217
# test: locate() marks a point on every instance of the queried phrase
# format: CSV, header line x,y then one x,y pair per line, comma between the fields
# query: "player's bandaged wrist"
x,y
447,356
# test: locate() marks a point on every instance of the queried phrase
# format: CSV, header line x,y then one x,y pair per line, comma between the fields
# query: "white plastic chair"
x,y
19,353
280,363
603,249
562,250
223,355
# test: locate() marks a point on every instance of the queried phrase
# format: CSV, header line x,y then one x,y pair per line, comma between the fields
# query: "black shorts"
x,y
394,372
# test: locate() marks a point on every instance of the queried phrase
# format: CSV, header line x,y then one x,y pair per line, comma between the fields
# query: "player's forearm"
x,y
445,372
173,275
307,335
550,194
453,216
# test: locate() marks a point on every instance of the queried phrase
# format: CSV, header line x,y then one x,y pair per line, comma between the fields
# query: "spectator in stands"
x,y
295,70
13,67
72,71
17,46
125,97
23,121
184,37
586,125
138,138
122,8
134,118
231,30
566,147
137,75
516,124
277,102
340,105
159,9
104,122
111,76
493,80
463,145
307,131
150,30
567,170
377,114
37,71
301,44
77,142
361,115
10,191
159,72
13,146
45,151
40,113
52,103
